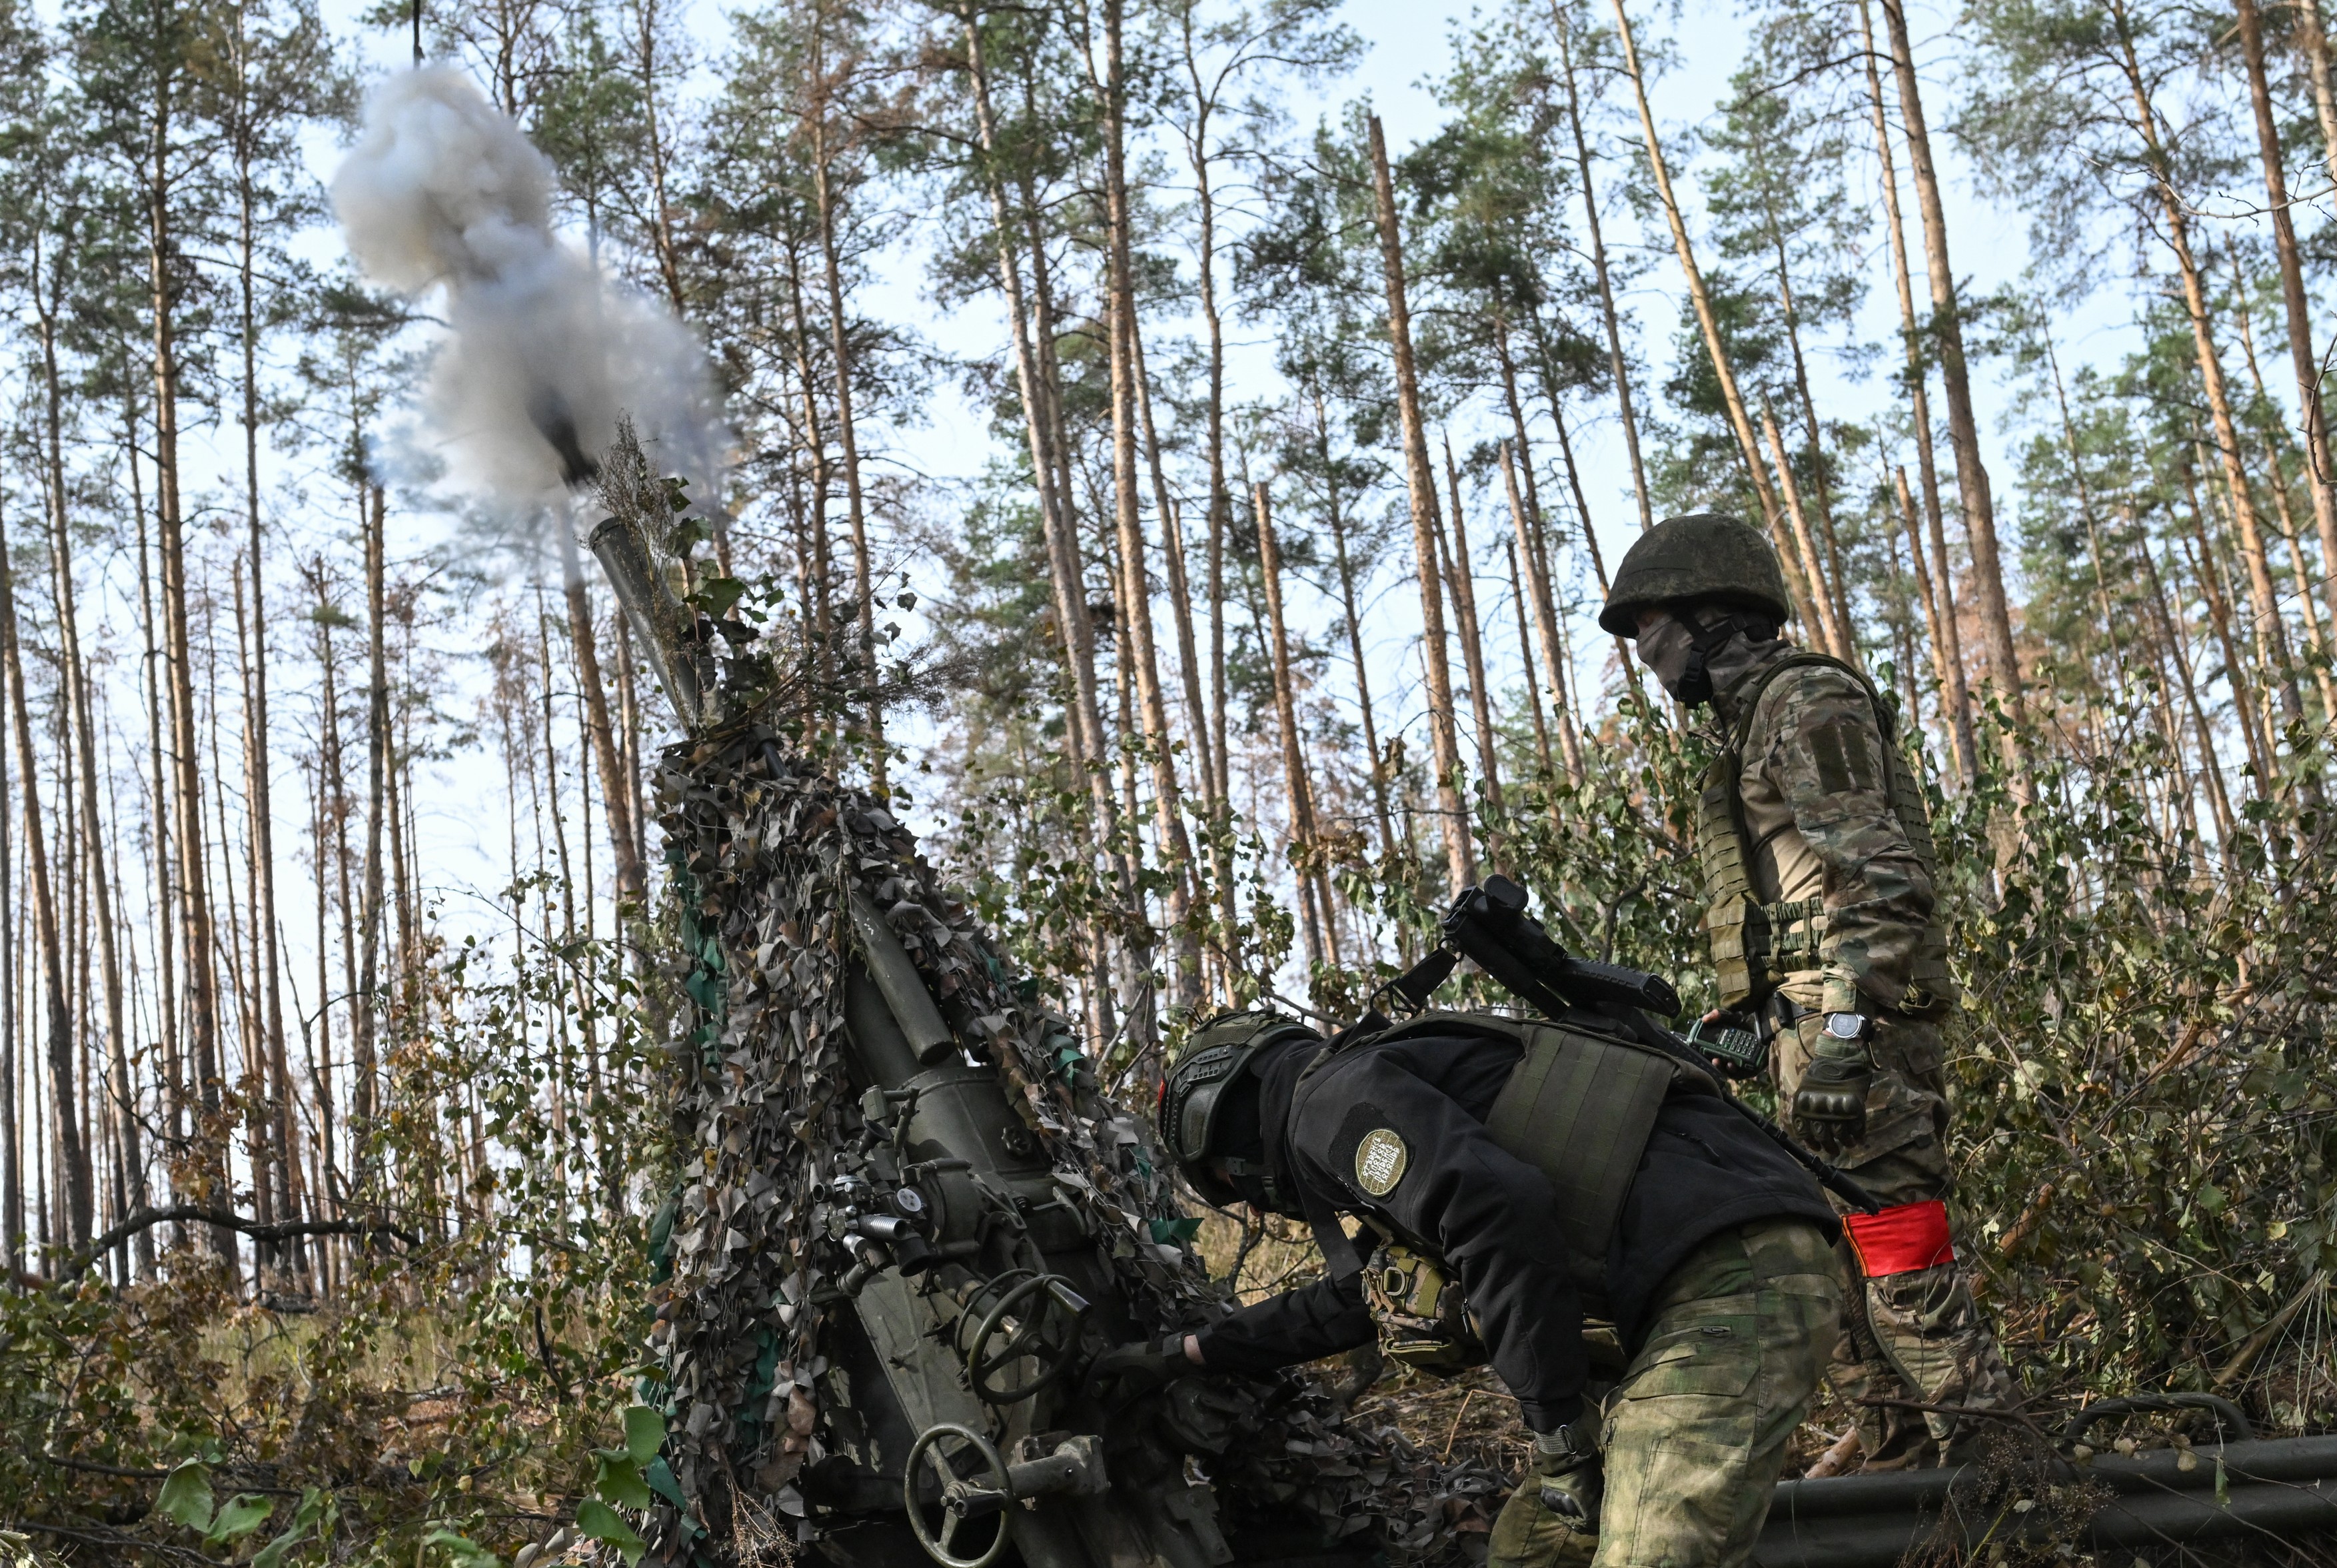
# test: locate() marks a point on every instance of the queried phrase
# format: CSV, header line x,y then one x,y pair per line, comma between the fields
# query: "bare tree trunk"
x,y
2270,630
2313,40
2319,475
70,1137
2219,614
1526,649
267,1173
1545,610
1618,366
2181,789
632,880
1334,512
282,1133
1533,537
1934,613
1590,535
1085,730
1180,599
1460,572
822,616
1832,633
655,142
200,995
158,818
1139,651
1836,587
863,570
2285,519
84,730
1748,447
1420,481
366,1003
1126,961
1963,429
195,928
1213,440
1307,853
2219,800
1956,693
12,1153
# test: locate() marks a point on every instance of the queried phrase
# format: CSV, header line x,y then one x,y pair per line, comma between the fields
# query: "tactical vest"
x,y
1579,1107
1756,945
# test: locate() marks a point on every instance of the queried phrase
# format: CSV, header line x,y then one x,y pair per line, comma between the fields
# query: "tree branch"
x,y
278,1231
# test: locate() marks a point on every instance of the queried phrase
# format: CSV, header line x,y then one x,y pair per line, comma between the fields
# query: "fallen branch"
x,y
92,1467
2254,1346
1839,1457
2027,1223
2018,1415
259,1231
117,1538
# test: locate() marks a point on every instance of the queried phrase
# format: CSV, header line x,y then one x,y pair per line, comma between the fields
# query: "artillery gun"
x,y
943,1222
917,1261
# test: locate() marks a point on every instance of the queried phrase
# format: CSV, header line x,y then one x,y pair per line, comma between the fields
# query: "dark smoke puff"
x,y
443,190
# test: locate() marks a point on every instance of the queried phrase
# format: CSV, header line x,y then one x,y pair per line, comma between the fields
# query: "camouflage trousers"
x,y
1695,1433
1916,1338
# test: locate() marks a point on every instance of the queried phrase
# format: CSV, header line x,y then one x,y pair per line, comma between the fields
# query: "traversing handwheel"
x,y
954,1476
1037,1317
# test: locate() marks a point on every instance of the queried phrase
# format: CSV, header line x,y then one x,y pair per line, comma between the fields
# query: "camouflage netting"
x,y
765,854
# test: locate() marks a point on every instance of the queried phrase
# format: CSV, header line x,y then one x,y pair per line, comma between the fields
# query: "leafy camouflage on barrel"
x,y
905,1217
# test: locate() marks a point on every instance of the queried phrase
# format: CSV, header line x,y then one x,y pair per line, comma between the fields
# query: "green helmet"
x,y
1702,555
1193,1094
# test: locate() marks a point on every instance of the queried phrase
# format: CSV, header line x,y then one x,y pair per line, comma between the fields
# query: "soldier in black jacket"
x,y
1709,1252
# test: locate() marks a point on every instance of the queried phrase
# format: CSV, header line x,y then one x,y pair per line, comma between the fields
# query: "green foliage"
x,y
602,1523
185,1496
460,1550
2145,1108
2142,1081
451,1388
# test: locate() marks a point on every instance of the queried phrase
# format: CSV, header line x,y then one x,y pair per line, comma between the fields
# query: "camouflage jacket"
x,y
1818,822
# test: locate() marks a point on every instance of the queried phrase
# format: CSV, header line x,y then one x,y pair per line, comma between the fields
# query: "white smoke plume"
x,y
543,352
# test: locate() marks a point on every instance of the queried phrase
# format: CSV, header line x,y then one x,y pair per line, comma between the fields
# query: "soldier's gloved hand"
x,y
1570,1474
1129,1372
1830,1105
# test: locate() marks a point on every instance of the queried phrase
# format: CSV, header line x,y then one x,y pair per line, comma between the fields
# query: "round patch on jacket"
x,y
1380,1161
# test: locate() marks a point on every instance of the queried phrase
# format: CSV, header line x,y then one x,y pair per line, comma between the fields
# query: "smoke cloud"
x,y
542,352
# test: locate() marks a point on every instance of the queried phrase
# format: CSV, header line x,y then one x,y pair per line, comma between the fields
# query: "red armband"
x,y
1901,1239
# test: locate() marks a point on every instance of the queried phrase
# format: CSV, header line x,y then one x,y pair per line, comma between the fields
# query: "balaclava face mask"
x,y
1665,647
1677,645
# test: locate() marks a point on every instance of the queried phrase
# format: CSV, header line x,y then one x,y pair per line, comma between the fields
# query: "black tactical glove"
x,y
1129,1372
1571,1475
1830,1105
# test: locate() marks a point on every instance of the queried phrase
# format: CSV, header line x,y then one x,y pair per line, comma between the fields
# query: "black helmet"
x,y
1195,1092
1701,555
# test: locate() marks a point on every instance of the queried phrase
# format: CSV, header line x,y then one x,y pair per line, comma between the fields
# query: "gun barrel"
x,y
656,615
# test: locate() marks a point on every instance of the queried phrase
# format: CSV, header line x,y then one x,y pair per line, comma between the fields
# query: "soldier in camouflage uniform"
x,y
1510,1194
1819,868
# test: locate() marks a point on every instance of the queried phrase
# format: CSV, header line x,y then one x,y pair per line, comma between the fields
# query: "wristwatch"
x,y
1846,1027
